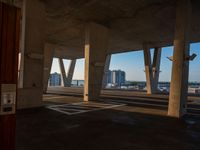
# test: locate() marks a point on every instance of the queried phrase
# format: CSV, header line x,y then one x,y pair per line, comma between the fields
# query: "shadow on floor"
x,y
44,129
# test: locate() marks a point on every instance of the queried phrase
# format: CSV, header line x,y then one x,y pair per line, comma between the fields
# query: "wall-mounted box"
x,y
8,99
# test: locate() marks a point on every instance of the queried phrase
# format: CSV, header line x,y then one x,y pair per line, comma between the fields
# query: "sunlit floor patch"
x,y
83,107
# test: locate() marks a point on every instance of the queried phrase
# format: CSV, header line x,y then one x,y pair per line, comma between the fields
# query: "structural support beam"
x,y
63,73
96,44
148,69
156,68
152,70
67,79
48,59
106,70
34,23
70,72
179,80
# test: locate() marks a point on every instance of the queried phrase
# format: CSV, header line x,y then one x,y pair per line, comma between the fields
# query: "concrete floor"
x,y
122,128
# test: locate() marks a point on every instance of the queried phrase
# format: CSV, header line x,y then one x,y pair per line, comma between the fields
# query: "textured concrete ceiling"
x,y
131,22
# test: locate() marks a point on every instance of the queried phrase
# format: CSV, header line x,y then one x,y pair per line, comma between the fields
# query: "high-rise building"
x,y
55,79
115,77
118,77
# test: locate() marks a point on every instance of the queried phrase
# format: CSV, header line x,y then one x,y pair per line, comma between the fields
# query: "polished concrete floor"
x,y
141,124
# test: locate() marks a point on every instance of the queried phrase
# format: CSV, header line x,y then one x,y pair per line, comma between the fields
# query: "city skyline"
x,y
133,64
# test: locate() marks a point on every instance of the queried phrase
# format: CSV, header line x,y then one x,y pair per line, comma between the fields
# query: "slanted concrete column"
x,y
48,59
148,68
106,69
156,68
67,79
63,73
34,32
96,44
152,70
70,72
179,80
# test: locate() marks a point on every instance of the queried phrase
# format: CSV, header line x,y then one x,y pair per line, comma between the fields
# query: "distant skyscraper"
x,y
116,77
55,79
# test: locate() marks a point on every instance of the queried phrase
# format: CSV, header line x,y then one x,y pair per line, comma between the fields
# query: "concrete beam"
x,y
96,45
106,69
61,52
180,68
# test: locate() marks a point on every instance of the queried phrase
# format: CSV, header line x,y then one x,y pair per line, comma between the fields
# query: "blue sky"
x,y
133,64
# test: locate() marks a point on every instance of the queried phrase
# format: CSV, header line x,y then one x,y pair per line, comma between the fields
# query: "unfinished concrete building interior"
x,y
35,117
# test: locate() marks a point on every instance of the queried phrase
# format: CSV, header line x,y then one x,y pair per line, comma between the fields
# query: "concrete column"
x,y
34,21
22,47
148,69
63,73
70,72
179,80
156,68
106,69
152,70
96,45
48,60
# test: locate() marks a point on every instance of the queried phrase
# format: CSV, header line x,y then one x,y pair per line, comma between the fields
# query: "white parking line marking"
x,y
83,107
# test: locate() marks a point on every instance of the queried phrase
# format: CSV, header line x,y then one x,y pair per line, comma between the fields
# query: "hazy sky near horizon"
x,y
133,64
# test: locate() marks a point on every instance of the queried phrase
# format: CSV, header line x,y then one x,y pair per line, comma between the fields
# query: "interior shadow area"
x,y
121,128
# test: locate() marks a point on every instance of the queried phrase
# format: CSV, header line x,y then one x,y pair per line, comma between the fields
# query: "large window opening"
x,y
78,77
126,71
194,70
55,74
55,78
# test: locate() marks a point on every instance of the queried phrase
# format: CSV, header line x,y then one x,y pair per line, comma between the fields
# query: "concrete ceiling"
x,y
131,23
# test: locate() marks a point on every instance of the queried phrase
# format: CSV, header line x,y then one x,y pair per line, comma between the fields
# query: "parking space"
x,y
83,107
